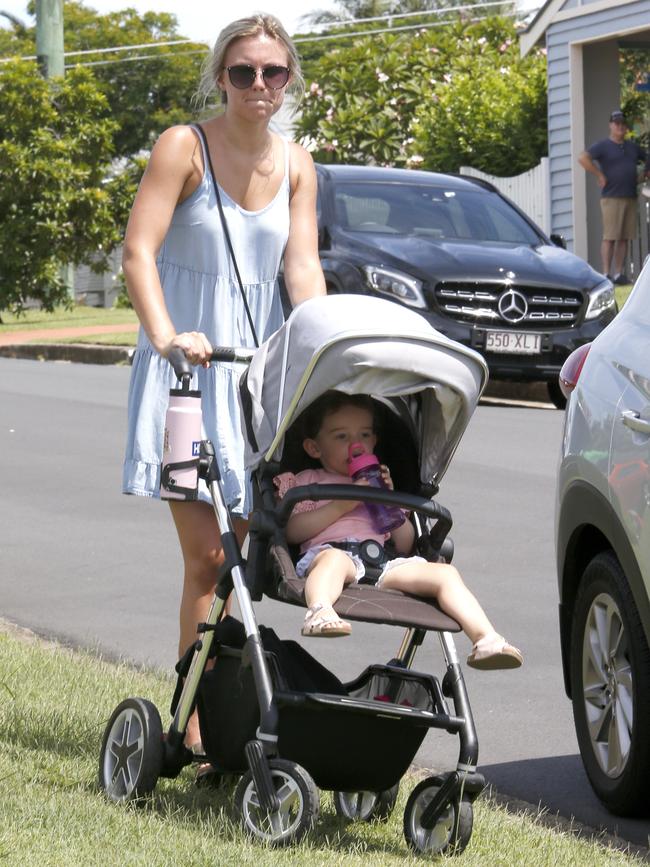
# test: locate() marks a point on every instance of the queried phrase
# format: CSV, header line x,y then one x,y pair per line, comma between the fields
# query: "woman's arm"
x,y
303,274
171,175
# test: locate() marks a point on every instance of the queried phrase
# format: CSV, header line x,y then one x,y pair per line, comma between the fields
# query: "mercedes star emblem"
x,y
512,306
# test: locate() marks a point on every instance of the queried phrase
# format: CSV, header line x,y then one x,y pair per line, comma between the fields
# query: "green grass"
x,y
119,339
54,704
622,293
62,318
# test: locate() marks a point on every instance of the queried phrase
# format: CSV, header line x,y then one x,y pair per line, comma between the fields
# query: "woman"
x,y
184,288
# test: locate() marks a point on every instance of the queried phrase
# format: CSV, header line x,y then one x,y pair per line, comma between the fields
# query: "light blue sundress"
x,y
202,294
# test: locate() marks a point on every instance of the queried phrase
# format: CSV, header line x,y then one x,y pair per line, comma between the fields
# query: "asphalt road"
x,y
84,564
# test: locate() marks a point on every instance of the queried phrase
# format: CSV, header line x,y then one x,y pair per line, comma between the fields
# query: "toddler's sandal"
x,y
493,652
321,621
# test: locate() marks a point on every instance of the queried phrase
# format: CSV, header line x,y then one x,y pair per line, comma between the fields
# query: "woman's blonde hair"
x,y
260,23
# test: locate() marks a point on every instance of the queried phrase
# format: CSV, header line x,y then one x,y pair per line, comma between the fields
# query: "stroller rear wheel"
x,y
299,804
131,756
366,806
452,830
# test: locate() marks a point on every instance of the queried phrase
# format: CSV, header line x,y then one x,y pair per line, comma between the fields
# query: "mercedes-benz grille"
x,y
508,304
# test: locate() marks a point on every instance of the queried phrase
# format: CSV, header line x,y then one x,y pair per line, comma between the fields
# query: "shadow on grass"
x,y
180,799
558,787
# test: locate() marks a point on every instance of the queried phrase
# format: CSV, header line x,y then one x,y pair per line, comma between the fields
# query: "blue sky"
x,y
198,19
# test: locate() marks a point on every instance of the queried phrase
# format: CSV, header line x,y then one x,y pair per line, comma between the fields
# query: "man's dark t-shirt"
x,y
618,163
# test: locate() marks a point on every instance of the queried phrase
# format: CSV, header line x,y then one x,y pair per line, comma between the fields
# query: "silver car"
x,y
603,553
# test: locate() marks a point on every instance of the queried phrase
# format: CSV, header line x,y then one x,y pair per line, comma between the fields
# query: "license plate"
x,y
515,342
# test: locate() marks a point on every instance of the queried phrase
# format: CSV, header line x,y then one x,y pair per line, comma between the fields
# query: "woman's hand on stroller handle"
x,y
183,366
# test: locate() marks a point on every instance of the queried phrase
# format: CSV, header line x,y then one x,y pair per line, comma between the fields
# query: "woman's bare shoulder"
x,y
300,157
301,168
176,140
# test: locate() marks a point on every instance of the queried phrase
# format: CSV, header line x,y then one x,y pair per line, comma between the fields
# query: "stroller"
x,y
268,711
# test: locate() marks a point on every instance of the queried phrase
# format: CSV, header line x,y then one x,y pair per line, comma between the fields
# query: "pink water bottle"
x,y
364,466
179,478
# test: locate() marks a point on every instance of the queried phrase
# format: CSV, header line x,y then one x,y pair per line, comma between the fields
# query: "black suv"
x,y
468,259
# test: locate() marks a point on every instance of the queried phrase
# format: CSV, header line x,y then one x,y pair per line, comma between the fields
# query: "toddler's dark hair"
x,y
313,417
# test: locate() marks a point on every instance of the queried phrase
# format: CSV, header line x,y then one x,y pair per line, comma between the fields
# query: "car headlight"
x,y
601,298
401,286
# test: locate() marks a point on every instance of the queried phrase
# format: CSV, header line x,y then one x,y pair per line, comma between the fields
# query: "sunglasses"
x,y
243,75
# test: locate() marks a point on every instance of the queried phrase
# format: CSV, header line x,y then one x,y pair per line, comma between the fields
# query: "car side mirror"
x,y
559,241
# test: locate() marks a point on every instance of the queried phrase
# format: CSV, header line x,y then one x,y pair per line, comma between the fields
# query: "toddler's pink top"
x,y
353,525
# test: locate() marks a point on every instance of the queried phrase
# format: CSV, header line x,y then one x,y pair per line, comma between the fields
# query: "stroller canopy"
x,y
361,345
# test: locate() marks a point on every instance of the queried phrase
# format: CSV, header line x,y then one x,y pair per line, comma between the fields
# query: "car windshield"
x,y
430,211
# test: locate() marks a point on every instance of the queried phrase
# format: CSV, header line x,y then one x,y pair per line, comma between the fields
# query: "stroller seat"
x,y
361,602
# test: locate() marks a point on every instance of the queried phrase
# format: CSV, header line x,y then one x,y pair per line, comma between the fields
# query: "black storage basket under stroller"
x,y
322,722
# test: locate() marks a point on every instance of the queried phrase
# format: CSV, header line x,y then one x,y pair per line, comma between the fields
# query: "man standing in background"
x,y
614,161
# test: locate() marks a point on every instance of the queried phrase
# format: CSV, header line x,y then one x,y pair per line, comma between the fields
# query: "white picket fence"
x,y
531,191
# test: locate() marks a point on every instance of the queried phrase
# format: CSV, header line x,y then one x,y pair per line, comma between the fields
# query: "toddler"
x,y
332,424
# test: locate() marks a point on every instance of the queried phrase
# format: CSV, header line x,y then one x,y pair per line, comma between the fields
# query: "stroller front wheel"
x,y
131,756
299,804
452,830
366,806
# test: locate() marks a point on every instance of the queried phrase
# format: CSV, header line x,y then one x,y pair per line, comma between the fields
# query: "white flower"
x,y
310,144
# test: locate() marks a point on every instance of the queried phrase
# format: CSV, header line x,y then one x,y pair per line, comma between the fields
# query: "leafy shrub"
x,y
436,99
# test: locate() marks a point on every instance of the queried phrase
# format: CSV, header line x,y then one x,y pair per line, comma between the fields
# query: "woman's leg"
x,y
200,541
442,581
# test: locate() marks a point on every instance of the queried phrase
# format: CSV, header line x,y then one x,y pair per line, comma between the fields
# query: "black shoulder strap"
x,y
206,149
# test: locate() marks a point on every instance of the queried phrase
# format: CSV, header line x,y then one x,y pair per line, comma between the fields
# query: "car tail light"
x,y
571,369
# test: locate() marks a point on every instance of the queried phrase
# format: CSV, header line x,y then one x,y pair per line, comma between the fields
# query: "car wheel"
x,y
555,394
610,685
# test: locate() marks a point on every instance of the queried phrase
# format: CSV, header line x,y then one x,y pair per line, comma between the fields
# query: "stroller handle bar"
x,y
422,505
183,368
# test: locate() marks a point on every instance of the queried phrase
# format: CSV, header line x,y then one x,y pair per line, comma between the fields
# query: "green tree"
x,y
145,95
59,200
436,99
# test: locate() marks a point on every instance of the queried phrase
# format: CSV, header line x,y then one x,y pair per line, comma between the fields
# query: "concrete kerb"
x,y
80,353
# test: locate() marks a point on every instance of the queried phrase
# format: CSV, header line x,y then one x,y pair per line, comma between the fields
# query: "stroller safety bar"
x,y
367,494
